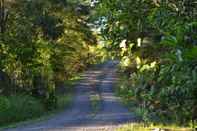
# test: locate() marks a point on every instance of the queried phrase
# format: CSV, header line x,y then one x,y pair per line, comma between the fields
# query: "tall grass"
x,y
18,108
22,107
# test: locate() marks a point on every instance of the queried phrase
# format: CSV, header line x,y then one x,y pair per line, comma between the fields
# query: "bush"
x,y
168,94
4,104
18,108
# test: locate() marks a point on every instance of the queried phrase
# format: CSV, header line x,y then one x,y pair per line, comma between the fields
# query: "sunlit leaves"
x,y
156,43
46,40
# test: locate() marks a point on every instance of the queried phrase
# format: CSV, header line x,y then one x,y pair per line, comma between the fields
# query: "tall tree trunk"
x,y
3,18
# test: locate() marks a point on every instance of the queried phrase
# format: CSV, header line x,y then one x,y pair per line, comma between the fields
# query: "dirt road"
x,y
111,115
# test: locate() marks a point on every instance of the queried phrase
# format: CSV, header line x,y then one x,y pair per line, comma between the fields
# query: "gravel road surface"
x,y
112,113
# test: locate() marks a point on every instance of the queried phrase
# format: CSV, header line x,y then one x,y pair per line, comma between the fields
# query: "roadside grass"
x,y
147,125
21,109
95,100
152,127
63,103
18,108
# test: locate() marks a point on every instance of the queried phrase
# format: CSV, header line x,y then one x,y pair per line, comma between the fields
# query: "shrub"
x,y
18,108
4,104
168,93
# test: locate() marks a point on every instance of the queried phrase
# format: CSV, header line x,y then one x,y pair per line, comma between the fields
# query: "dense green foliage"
x,y
157,46
22,107
18,108
43,43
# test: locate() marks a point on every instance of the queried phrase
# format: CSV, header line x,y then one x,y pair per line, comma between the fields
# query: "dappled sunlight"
x,y
110,113
98,60
107,82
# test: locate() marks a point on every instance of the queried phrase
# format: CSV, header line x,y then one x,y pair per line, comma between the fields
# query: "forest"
x,y
156,42
46,44
42,44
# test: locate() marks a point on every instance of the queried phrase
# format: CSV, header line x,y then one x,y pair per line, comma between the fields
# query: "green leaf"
x,y
190,54
169,41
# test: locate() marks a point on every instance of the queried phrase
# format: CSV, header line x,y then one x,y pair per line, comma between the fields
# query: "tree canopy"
x,y
156,43
45,42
